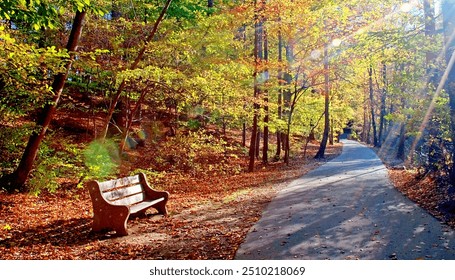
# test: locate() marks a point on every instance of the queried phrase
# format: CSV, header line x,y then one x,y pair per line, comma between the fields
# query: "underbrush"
x,y
64,160
198,152
67,159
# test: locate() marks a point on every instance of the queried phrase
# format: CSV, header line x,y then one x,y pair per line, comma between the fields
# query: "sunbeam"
x,y
437,93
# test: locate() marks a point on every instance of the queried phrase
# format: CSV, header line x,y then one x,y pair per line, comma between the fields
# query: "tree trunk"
x,y
278,132
244,134
17,179
130,118
401,143
288,104
258,143
254,132
280,95
287,147
311,135
321,152
365,118
287,144
265,146
256,93
383,106
373,120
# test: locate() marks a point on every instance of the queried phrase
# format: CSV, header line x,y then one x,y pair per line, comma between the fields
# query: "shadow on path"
x,y
347,209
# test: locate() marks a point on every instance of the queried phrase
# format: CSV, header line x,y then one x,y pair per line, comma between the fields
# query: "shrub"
x,y
197,152
56,160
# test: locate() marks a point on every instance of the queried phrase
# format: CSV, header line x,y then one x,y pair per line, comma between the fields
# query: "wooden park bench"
x,y
115,200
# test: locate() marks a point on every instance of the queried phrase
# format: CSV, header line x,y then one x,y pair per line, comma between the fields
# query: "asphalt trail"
x,y
347,209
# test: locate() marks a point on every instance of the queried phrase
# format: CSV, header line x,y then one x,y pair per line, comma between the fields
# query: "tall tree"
x,y
279,133
133,66
265,148
431,59
256,90
17,179
289,104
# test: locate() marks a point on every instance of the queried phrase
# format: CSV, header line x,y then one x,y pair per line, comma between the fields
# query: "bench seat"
x,y
144,205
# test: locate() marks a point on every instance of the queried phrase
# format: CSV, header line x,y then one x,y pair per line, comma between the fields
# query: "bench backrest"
x,y
123,191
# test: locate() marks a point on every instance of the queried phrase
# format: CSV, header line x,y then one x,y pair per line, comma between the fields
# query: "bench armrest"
x,y
105,214
154,194
97,197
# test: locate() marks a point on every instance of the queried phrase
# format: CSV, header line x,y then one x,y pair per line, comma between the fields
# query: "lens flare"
x,y
316,54
101,158
336,42
406,7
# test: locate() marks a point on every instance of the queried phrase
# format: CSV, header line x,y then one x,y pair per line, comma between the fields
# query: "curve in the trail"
x,y
346,209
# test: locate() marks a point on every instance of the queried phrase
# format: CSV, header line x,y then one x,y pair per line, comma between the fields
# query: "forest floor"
x,y
429,191
209,216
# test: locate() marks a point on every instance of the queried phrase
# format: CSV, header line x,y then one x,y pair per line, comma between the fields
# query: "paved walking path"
x,y
347,209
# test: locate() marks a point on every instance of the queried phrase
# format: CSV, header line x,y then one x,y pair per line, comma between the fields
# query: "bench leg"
x,y
97,224
161,207
121,230
119,224
111,219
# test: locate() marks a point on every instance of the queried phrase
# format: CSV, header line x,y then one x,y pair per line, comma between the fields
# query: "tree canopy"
x,y
193,72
